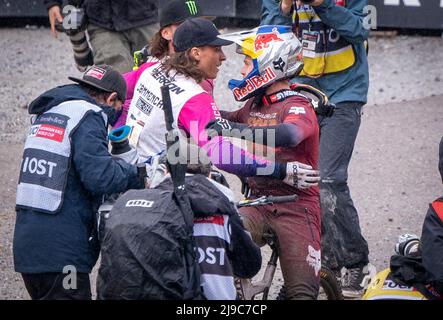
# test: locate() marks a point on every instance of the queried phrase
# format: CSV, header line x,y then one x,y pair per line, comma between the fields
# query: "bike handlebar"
x,y
266,200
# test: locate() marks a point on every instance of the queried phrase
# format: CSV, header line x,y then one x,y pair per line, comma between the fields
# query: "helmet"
x,y
275,52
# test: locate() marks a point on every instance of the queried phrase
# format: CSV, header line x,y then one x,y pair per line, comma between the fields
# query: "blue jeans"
x,y
341,239
270,14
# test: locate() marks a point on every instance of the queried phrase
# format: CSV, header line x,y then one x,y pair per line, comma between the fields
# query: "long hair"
x,y
159,46
184,63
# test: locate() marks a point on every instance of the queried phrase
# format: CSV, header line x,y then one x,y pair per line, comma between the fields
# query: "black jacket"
x,y
117,15
244,254
49,242
432,244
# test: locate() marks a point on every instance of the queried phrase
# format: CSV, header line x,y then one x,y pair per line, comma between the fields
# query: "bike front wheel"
x,y
330,288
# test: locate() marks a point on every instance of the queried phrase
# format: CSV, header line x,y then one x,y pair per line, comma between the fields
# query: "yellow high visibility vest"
x,y
333,53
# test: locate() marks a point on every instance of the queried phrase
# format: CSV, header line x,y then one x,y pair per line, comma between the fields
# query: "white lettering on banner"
x,y
38,166
409,3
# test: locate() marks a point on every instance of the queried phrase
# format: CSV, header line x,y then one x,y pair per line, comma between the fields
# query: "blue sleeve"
x,y
98,171
271,14
348,22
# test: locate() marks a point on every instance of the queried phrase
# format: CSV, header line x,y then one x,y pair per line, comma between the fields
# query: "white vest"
x,y
47,155
145,115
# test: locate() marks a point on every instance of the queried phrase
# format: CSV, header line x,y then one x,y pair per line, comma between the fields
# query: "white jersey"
x,y
145,114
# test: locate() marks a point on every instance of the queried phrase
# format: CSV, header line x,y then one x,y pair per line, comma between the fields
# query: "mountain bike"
x,y
247,289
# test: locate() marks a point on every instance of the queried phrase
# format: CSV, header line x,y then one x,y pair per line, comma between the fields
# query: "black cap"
x,y
177,11
197,32
105,78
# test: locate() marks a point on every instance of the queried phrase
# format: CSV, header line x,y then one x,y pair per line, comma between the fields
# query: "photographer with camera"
x,y
335,61
116,28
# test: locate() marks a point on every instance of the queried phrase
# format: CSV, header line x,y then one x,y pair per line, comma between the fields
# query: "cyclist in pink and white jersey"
x,y
160,47
198,56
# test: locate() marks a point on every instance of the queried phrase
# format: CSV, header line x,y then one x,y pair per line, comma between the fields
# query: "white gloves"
x,y
156,169
301,175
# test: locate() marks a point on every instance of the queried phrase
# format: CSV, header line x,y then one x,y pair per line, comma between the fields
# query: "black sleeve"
x,y
244,255
286,135
432,248
50,3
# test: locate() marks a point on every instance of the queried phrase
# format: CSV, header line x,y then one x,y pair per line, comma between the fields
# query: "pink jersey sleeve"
x,y
131,79
195,115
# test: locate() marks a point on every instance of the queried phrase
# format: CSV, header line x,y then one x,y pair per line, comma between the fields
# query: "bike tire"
x,y
330,285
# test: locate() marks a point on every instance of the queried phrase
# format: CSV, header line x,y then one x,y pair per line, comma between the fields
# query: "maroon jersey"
x,y
295,110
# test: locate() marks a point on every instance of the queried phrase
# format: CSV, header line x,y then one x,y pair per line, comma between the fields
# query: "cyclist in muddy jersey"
x,y
283,121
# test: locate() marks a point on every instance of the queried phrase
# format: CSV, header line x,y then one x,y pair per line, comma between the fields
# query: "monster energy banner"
x,y
414,14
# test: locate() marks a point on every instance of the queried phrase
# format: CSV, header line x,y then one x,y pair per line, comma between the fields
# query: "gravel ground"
x,y
393,174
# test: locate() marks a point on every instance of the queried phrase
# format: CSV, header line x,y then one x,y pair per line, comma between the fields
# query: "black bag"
x,y
148,248
409,271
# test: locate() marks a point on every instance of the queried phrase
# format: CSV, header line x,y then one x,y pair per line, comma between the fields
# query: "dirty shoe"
x,y
355,280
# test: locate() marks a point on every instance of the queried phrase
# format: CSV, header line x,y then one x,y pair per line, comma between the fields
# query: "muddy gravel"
x,y
393,174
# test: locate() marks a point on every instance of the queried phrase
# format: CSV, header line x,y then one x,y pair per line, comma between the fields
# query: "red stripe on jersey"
x,y
212,219
438,207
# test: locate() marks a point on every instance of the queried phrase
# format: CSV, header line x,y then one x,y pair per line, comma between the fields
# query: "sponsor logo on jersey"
x,y
297,110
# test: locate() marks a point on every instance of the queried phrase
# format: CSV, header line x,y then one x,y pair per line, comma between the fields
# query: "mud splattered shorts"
x,y
297,226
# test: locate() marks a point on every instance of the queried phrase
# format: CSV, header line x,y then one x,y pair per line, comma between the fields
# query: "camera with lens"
x,y
74,25
408,245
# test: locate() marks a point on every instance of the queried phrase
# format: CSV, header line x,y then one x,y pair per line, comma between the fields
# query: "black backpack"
x,y
148,248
